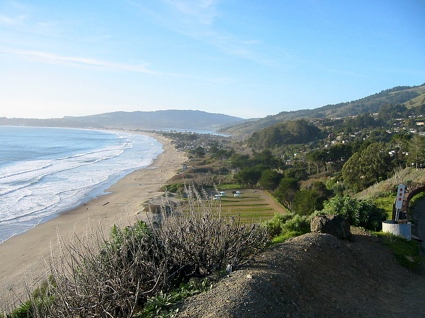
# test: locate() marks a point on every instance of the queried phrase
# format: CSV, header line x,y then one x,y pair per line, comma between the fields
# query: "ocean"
x,y
46,171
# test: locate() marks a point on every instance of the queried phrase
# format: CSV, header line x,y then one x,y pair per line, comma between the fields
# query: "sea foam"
x,y
46,171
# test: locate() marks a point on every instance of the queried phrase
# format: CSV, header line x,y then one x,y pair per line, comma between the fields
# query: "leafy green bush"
x,y
161,304
274,225
25,310
173,188
284,236
284,226
297,223
34,306
362,213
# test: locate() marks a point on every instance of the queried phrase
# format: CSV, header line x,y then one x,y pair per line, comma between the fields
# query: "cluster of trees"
x,y
367,167
356,166
367,153
349,167
267,171
291,132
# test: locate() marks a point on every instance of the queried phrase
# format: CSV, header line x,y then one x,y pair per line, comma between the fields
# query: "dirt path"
x,y
277,207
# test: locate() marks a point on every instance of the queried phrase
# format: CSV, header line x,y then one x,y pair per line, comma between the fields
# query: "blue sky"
x,y
238,57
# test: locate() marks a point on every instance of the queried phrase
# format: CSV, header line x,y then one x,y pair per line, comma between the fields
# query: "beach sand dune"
x,y
23,258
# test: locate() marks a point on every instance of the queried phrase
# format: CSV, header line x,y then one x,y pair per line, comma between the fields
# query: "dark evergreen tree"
x,y
270,179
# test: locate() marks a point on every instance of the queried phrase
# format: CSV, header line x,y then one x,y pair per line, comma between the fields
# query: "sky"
x,y
242,58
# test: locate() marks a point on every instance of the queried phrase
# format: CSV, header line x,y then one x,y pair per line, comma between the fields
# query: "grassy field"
x,y
251,205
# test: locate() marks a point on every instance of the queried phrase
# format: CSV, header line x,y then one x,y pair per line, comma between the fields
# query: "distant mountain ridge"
x,y
150,120
409,96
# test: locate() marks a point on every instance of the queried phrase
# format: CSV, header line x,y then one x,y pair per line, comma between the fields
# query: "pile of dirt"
x,y
316,275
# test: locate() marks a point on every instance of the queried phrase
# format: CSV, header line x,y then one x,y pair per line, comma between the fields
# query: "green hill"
x,y
409,96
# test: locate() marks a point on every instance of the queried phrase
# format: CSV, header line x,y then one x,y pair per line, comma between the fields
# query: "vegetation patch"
x,y
386,204
145,267
282,227
161,305
407,253
250,206
361,213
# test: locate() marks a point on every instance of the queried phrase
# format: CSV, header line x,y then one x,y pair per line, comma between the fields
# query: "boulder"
x,y
335,225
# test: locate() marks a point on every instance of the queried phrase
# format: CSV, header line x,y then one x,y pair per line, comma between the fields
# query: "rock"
x,y
335,225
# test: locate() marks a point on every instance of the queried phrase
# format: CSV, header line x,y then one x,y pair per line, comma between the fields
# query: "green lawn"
x,y
251,206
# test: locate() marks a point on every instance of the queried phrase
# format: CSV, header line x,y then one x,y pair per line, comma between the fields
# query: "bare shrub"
x,y
198,240
100,276
106,278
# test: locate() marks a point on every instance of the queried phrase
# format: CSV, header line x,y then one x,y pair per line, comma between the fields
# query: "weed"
x,y
406,252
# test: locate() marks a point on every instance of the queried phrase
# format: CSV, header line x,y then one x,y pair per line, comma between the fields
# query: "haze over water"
x,y
46,171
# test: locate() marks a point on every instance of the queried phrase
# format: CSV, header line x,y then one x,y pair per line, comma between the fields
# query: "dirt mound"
x,y
316,275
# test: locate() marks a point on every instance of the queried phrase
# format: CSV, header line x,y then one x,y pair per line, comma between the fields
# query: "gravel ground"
x,y
316,275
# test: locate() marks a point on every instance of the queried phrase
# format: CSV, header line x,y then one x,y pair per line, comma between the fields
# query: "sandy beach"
x,y
24,257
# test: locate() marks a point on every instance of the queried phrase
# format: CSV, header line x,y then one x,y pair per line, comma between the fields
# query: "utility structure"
x,y
400,205
409,193
399,224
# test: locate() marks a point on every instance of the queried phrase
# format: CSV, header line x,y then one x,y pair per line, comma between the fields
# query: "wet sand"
x,y
24,257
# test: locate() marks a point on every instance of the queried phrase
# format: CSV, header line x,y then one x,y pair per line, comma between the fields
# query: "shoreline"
x,y
24,256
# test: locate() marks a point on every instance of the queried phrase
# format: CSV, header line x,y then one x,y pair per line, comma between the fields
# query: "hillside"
x,y
407,176
237,127
155,120
408,96
316,275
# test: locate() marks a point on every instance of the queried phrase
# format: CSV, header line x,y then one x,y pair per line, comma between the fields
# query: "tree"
x,y
338,154
320,188
360,122
199,152
306,202
367,167
286,133
266,158
416,147
285,193
351,172
270,179
318,158
220,153
389,112
239,161
249,176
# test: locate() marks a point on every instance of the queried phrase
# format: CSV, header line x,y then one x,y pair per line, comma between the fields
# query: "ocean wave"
x,y
32,191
